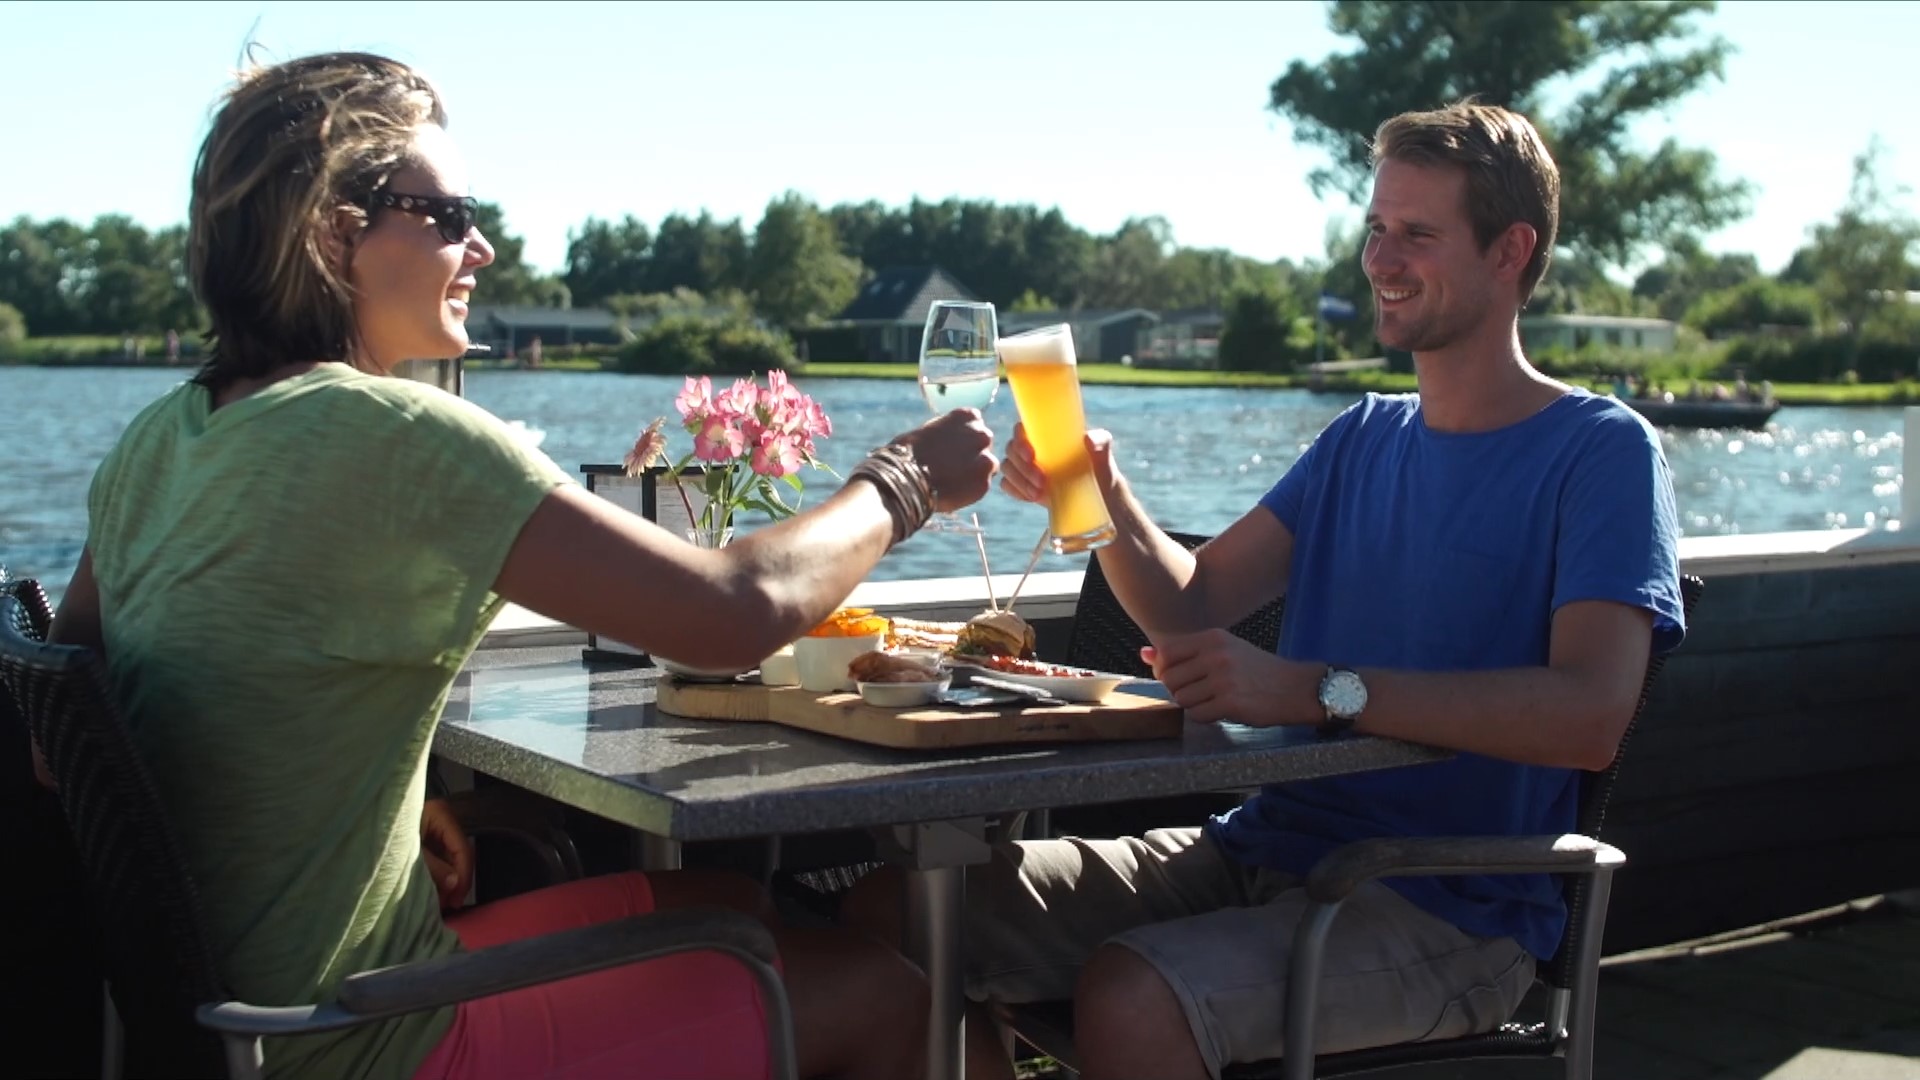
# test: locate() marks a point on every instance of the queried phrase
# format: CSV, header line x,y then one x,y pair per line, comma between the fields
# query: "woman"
x,y
290,558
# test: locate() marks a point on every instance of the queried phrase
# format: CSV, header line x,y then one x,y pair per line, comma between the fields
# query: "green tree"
x,y
1578,285
797,273
1688,273
1206,277
510,280
1032,301
699,254
1627,60
608,258
1864,257
1338,273
1129,268
1755,305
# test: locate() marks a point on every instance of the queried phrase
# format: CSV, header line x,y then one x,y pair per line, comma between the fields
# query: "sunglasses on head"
x,y
453,217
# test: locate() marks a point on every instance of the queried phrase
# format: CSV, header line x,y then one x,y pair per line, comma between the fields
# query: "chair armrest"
x,y
1344,869
465,976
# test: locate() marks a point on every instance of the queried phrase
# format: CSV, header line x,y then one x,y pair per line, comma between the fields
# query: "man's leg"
x,y
1393,973
1039,909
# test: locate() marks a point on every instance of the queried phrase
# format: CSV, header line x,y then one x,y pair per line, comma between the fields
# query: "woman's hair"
x,y
293,148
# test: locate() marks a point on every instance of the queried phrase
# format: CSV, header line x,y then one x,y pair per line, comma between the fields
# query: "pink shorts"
x,y
691,1016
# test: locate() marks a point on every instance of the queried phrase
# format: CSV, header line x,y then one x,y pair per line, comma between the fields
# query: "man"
x,y
1483,566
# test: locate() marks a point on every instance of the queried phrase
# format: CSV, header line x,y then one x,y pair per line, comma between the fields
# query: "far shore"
x,y
1905,392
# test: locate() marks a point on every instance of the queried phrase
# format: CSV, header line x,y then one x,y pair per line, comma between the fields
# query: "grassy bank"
x,y
106,352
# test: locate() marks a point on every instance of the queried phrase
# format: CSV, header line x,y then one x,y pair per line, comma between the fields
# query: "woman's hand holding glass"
x,y
957,452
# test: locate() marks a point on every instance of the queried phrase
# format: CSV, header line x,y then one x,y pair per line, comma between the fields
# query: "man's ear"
x,y
1513,250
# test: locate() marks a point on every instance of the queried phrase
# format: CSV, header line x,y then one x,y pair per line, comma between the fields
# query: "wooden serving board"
x,y
926,727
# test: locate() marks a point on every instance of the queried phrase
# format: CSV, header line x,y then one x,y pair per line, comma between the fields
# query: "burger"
x,y
996,633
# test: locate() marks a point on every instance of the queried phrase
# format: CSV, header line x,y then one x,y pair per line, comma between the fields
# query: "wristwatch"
x,y
1343,696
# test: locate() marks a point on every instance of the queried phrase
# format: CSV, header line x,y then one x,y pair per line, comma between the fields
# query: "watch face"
x,y
1343,694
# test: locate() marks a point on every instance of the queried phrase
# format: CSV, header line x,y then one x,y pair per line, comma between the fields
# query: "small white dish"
x,y
689,673
900,695
821,662
780,669
1090,688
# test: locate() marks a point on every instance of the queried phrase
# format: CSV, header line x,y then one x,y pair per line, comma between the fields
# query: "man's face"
x,y
1432,285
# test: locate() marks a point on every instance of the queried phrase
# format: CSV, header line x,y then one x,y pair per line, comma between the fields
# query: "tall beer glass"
x,y
1045,379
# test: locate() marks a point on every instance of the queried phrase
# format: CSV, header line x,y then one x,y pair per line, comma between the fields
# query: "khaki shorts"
x,y
1220,934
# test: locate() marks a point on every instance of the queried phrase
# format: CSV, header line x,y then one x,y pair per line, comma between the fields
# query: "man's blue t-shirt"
x,y
1428,551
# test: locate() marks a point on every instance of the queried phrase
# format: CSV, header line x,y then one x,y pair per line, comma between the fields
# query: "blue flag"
x,y
1334,309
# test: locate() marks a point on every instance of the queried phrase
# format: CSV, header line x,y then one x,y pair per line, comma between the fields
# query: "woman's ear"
x,y
340,235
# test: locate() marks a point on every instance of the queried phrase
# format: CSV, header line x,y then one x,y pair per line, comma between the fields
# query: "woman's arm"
x,y
584,562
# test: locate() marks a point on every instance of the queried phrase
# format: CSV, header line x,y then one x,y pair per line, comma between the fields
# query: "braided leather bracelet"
x,y
903,484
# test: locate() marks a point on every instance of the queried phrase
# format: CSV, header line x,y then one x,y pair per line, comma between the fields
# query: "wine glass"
x,y
959,369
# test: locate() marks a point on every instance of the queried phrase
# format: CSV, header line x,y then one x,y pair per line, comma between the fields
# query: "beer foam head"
x,y
1047,345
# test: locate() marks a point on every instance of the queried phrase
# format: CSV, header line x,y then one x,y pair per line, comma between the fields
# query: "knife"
x,y
1031,693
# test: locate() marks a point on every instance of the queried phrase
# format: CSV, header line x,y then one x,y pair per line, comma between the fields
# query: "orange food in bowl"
x,y
851,622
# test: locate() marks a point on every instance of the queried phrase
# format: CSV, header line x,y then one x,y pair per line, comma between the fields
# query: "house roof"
x,y
903,294
1193,317
1016,321
1621,322
542,317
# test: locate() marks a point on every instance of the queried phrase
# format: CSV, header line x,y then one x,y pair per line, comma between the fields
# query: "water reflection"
x,y
1197,458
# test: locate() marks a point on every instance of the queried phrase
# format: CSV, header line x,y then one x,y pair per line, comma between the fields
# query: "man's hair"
x,y
293,146
1510,175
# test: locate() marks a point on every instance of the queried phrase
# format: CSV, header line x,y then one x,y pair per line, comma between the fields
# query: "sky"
x,y
1107,111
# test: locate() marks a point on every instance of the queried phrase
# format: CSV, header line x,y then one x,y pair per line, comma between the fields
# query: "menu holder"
x,y
651,495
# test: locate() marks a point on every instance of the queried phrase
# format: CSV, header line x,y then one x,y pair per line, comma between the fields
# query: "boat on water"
x,y
1704,412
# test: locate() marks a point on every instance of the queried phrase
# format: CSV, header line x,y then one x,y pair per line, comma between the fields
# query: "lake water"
x,y
1198,458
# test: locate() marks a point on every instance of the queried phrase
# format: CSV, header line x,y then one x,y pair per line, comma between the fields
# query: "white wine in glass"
x,y
959,369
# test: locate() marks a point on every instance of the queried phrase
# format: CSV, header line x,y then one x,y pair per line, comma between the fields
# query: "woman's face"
x,y
411,286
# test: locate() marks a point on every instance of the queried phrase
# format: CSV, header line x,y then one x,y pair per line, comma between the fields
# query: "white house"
x,y
1578,331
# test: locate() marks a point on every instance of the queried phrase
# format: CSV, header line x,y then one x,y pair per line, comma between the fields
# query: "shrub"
x,y
1261,335
685,345
13,325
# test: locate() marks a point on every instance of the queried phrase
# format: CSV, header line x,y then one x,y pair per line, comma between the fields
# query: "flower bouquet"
x,y
752,441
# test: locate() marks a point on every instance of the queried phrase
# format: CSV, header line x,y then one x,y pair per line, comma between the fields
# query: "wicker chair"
x,y
1105,638
1571,977
147,914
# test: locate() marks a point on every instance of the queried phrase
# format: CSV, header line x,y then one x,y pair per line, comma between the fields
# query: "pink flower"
x,y
737,401
717,440
647,449
696,398
777,456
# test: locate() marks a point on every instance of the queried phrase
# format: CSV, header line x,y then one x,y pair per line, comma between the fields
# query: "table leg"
x,y
934,900
656,852
935,856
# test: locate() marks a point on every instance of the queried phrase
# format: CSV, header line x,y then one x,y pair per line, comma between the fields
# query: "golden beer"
x,y
1045,379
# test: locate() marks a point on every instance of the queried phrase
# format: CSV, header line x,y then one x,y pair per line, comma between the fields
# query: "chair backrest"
x,y
1106,638
32,617
1595,789
143,904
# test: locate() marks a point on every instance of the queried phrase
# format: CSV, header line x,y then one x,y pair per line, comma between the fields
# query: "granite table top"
x,y
586,733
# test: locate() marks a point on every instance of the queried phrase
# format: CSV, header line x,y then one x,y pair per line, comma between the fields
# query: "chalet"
x,y
886,318
1099,336
1578,331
